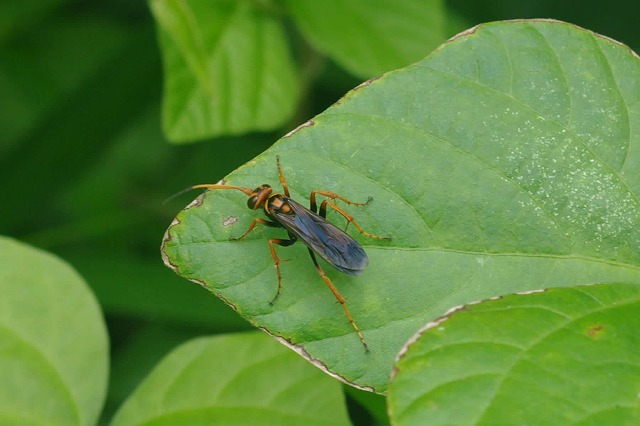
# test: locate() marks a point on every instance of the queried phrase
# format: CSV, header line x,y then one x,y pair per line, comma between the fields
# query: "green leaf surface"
x,y
53,341
232,380
228,68
372,37
565,356
505,161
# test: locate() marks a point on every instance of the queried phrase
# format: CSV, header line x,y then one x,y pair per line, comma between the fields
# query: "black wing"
x,y
330,242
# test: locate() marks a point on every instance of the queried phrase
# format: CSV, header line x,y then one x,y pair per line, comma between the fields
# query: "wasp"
x,y
311,227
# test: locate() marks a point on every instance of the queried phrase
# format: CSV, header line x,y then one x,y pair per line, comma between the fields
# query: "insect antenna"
x,y
247,191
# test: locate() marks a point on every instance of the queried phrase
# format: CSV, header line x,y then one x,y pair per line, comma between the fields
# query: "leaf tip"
x,y
166,238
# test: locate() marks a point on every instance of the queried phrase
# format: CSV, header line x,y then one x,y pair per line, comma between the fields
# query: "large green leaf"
x,y
566,356
372,37
53,341
228,69
242,379
505,161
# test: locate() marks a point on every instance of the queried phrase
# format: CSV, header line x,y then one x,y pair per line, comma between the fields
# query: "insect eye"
x,y
258,196
251,202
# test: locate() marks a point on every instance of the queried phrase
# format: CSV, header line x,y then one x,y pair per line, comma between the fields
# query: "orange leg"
x,y
272,241
350,219
334,206
339,297
253,225
333,196
276,260
274,255
283,181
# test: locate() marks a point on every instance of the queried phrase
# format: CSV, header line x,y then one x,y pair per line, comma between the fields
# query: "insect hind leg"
x,y
350,219
339,297
333,196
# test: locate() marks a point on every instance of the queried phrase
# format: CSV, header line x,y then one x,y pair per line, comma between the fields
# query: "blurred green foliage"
x,y
84,165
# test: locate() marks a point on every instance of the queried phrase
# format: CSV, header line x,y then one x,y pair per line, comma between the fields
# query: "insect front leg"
x,y
283,181
279,241
339,297
276,260
253,225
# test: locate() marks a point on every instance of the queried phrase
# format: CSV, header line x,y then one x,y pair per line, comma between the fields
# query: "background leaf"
x,y
53,341
228,69
564,356
85,165
235,379
47,100
506,161
369,38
